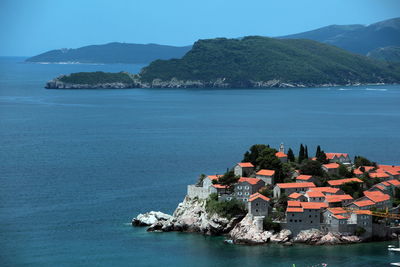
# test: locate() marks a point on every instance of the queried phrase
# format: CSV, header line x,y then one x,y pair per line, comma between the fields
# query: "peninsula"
x,y
261,62
273,196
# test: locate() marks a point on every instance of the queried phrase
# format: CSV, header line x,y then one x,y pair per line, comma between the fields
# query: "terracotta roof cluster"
x,y
295,195
325,189
266,172
338,210
337,198
313,205
315,194
337,155
294,203
296,185
343,181
245,165
331,165
381,175
258,195
363,203
394,182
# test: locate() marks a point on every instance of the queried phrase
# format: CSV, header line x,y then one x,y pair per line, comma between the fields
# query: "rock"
x,y
247,232
281,237
288,243
150,218
310,236
329,239
350,239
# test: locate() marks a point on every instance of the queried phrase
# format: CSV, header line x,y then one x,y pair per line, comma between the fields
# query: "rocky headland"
x,y
191,216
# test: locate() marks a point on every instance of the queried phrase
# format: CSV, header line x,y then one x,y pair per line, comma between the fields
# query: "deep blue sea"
x,y
77,165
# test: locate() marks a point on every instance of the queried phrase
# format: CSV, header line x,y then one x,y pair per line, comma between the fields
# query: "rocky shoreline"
x,y
191,216
175,83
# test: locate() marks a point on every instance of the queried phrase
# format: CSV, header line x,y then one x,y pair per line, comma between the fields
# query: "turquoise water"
x,y
76,166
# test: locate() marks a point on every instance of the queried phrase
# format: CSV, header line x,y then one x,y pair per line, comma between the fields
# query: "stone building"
x,y
258,205
304,216
289,188
244,188
331,168
267,176
339,158
243,169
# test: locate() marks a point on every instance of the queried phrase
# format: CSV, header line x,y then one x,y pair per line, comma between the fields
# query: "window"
x,y
256,204
299,220
311,222
309,216
247,187
316,216
228,198
290,220
292,214
247,193
295,220
239,193
239,187
256,210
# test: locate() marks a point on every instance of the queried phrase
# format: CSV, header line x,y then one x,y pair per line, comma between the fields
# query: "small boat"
x,y
395,263
393,248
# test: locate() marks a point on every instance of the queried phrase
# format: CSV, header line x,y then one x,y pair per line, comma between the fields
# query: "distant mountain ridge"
x,y
112,53
356,38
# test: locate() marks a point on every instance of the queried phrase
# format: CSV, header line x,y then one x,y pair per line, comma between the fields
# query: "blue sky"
x,y
29,27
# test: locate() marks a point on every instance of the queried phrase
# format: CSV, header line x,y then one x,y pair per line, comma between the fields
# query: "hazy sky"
x,y
29,27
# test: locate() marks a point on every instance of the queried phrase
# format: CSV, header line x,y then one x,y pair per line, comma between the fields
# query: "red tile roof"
x,y
344,181
315,194
292,203
258,195
296,185
379,175
313,205
213,177
219,186
331,165
381,187
337,198
357,171
291,209
249,180
245,165
266,172
389,167
338,210
376,196
304,177
332,155
280,155
363,203
326,189
366,212
386,183
394,182
295,195
340,217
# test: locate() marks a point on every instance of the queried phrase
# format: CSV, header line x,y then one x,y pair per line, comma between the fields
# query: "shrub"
x,y
359,231
269,225
227,209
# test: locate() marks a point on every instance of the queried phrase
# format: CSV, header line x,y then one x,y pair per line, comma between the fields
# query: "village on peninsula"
x,y
273,196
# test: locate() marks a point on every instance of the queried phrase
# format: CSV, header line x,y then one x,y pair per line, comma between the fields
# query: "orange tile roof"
x,y
366,212
294,195
337,198
249,180
338,210
357,171
379,175
291,209
376,196
326,189
363,203
213,177
340,217
313,205
344,181
266,172
394,182
315,194
245,165
304,177
331,165
280,155
258,195
386,183
292,203
219,186
389,167
381,187
332,155
296,185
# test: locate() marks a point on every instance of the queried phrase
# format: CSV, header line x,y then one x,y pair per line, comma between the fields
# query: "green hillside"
x,y
242,62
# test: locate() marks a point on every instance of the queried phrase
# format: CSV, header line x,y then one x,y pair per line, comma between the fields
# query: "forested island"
x,y
250,62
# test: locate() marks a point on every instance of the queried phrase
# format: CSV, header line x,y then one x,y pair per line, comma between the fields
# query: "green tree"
x,y
362,161
253,153
344,172
268,160
301,153
201,179
269,224
306,152
226,209
322,157
228,179
318,152
311,167
290,155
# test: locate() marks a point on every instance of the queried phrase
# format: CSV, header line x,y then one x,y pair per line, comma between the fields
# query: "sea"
x,y
77,165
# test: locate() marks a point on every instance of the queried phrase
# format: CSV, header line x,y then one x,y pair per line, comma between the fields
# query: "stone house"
x,y
338,158
382,201
289,188
336,220
243,169
331,168
315,196
281,156
305,217
327,190
266,175
362,204
244,188
258,205
338,200
297,197
380,175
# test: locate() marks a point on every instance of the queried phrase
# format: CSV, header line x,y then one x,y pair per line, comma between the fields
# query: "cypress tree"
x,y
318,151
306,153
290,155
301,153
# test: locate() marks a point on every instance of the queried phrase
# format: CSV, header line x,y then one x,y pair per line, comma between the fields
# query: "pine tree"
x,y
290,155
301,153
